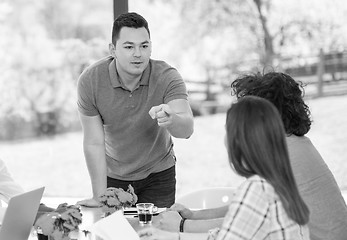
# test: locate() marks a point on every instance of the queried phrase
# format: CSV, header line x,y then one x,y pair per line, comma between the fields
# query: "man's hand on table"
x,y
91,202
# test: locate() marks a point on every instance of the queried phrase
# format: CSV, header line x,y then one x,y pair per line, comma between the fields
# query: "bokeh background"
x,y
46,44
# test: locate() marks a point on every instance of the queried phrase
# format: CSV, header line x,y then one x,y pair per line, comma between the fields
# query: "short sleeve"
x,y
176,88
247,212
86,96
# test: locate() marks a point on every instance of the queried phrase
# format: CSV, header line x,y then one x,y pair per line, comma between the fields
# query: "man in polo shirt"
x,y
129,107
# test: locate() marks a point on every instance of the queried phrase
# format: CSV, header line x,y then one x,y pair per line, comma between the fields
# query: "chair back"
x,y
207,198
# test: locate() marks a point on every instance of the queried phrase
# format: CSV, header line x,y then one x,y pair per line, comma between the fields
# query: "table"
x,y
90,216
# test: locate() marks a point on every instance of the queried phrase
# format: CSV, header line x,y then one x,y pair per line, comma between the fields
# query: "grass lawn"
x,y
58,162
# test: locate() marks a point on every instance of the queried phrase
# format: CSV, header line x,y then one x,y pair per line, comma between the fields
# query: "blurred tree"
x,y
40,68
230,33
68,19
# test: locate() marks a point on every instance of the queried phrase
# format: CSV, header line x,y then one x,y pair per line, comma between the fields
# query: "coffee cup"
x,y
145,212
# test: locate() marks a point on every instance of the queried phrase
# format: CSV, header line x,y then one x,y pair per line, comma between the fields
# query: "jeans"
x,y
158,188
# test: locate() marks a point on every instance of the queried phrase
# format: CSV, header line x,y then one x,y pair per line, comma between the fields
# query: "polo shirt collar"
x,y
114,78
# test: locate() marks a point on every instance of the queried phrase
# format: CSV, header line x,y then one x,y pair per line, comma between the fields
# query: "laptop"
x,y
20,215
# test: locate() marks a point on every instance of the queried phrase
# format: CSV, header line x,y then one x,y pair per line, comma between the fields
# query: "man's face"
x,y
132,51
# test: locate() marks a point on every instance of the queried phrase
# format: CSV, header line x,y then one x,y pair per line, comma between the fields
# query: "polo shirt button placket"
x,y
130,96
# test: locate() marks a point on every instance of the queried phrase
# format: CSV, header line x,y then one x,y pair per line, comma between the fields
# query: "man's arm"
x,y
94,152
176,116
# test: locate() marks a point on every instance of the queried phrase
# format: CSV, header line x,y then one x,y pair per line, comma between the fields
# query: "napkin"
x,y
115,226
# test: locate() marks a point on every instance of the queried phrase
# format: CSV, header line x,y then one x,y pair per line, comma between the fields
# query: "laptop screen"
x,y
20,215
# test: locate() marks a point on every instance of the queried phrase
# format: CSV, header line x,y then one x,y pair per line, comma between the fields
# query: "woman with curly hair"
x,y
317,185
284,92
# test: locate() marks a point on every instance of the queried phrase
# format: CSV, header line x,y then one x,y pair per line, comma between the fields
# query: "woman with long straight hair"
x,y
268,204
269,198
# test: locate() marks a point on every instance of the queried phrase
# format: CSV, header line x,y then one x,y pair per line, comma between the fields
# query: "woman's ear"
x,y
112,49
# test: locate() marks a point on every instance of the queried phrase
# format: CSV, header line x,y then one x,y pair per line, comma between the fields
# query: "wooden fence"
x,y
324,74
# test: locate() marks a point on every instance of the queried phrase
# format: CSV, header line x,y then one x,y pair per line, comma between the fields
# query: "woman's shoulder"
x,y
258,181
257,185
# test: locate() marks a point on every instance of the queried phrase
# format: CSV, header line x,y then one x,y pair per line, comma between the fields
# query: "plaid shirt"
x,y
256,212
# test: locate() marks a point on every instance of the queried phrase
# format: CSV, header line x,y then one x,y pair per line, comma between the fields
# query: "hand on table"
x,y
182,210
163,114
61,208
91,202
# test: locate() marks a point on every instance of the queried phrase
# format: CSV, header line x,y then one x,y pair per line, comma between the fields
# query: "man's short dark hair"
x,y
131,20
